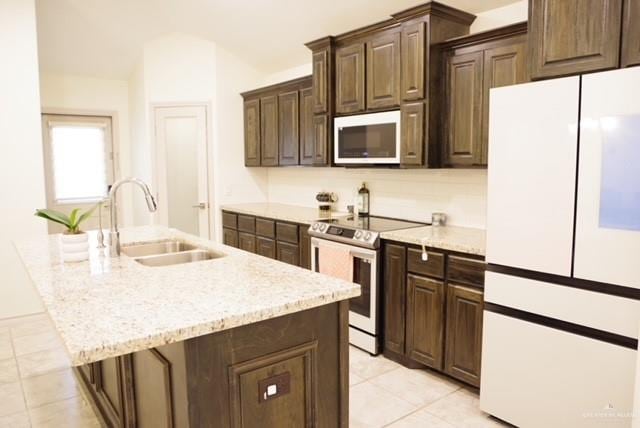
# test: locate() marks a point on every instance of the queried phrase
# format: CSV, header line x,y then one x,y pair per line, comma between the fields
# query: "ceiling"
x,y
105,38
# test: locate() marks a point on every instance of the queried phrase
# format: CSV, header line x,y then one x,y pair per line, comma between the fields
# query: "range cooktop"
x,y
361,231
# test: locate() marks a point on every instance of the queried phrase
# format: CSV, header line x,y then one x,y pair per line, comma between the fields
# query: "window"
x,y
78,158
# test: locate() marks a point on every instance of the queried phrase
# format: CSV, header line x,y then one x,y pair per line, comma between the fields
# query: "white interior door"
x,y
532,172
182,168
608,210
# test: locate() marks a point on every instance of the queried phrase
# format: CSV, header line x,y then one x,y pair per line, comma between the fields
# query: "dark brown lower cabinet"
x,y
221,379
395,274
425,320
247,242
230,237
266,247
464,333
305,248
288,253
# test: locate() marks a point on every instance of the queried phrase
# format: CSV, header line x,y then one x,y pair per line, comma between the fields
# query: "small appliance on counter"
x,y
326,201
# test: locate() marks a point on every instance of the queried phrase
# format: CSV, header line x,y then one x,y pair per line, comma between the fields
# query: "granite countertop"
x,y
453,238
107,307
292,213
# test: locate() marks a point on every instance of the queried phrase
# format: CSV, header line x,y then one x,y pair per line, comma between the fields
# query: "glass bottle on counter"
x,y
363,200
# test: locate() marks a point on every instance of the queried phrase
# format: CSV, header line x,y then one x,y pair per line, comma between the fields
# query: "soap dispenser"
x,y
363,200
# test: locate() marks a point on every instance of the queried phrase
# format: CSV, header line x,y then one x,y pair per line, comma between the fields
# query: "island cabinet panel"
x,y
572,37
631,33
247,242
230,237
413,66
288,253
266,247
464,109
288,131
383,71
109,390
269,130
464,333
395,276
320,85
350,78
252,133
425,320
307,140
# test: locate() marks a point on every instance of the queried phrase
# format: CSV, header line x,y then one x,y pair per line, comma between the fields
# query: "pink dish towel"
x,y
335,261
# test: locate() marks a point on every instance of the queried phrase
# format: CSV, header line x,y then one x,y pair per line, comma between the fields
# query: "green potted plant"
x,y
74,242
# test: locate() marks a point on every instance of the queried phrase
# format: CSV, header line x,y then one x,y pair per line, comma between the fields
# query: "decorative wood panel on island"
x,y
235,341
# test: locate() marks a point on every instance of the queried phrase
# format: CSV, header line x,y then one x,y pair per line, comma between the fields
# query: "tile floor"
x,y
38,389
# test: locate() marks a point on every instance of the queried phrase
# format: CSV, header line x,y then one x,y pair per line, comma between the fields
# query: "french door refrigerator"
x,y
562,290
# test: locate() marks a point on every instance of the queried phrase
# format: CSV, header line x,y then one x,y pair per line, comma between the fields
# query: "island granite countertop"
x,y
453,238
106,307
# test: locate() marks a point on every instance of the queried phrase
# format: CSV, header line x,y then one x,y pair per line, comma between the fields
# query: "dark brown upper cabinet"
x,y
288,131
252,132
572,37
464,109
631,33
321,138
413,61
412,133
383,71
320,64
350,79
269,130
307,146
464,333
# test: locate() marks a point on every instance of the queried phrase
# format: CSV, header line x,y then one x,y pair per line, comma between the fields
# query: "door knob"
x,y
201,205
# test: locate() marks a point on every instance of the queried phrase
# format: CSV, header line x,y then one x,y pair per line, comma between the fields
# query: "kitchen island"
x,y
239,340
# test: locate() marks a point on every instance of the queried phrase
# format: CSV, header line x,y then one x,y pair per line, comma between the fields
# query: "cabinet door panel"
x,y
230,237
288,253
307,147
412,134
288,131
247,242
413,61
425,320
320,84
350,95
383,71
266,247
321,133
109,389
464,333
269,130
503,66
631,33
464,109
305,247
572,37
153,390
395,276
252,133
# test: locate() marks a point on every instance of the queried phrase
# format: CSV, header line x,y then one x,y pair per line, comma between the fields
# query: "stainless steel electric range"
x,y
349,248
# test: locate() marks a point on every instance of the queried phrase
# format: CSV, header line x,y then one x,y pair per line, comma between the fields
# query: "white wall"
x,y
501,16
408,194
21,166
77,94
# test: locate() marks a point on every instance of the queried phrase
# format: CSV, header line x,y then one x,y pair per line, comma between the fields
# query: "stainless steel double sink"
x,y
168,252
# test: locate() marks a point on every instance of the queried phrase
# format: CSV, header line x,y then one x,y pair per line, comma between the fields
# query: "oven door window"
x,y
367,141
362,275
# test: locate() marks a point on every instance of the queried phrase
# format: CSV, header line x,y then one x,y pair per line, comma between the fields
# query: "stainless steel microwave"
x,y
372,138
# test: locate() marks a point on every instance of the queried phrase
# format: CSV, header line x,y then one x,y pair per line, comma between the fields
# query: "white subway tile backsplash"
x,y
409,194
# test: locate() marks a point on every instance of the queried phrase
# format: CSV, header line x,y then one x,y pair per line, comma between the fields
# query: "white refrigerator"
x,y
562,290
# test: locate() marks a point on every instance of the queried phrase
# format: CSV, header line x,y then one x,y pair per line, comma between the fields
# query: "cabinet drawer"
x,y
230,237
287,232
246,223
466,271
247,242
266,247
266,228
434,266
288,253
229,220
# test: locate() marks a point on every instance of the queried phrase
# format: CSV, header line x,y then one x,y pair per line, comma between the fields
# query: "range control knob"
x,y
323,227
367,236
358,234
315,226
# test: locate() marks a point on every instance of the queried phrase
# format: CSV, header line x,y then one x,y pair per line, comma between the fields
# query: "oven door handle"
x,y
362,254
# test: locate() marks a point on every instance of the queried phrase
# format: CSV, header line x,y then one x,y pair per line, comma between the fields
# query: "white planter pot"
x,y
74,248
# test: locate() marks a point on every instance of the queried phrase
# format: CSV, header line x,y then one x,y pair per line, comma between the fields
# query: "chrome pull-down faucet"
x,y
114,234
